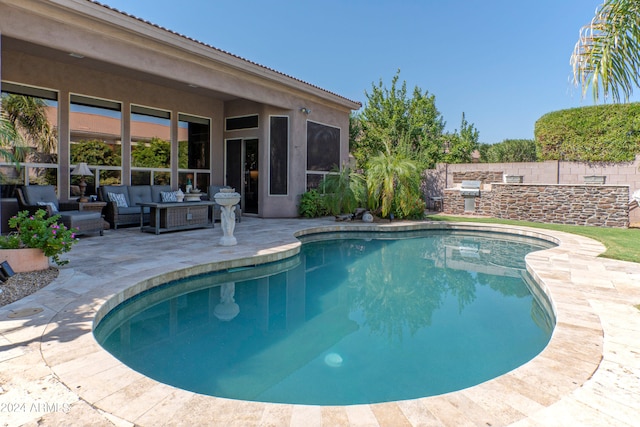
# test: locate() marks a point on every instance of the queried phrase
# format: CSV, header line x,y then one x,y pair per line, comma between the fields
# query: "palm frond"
x,y
607,54
12,148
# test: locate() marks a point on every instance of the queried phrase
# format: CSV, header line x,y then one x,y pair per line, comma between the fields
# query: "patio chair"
x,y
34,197
213,189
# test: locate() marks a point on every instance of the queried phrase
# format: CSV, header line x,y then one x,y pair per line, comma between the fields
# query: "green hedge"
x,y
608,133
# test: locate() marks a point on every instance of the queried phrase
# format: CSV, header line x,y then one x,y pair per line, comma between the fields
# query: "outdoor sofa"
x,y
122,202
34,197
128,213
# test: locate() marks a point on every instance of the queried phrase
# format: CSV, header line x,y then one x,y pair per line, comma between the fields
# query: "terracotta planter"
x,y
23,260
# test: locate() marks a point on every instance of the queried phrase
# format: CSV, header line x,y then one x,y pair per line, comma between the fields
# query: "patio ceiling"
x,y
22,46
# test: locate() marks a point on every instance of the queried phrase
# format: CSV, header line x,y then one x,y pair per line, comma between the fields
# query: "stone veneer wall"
x,y
596,205
486,177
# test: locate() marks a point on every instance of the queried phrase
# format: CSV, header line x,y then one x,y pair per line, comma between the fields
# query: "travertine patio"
x,y
52,371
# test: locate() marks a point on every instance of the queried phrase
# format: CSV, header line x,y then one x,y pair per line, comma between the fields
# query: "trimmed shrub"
x,y
606,133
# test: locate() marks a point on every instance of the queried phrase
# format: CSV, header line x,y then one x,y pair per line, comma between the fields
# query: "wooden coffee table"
x,y
174,216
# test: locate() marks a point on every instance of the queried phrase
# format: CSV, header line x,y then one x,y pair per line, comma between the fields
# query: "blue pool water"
x,y
355,319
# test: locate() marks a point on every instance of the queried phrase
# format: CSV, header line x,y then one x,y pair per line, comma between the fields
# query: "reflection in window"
x,y
150,146
96,139
194,151
33,112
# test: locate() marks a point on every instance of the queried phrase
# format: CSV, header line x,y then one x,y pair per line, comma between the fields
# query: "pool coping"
x,y
588,371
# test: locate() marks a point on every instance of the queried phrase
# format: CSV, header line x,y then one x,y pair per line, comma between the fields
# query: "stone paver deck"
x,y
53,372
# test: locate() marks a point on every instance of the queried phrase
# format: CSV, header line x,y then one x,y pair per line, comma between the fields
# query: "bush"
x,y
607,133
36,231
344,191
312,205
412,208
510,151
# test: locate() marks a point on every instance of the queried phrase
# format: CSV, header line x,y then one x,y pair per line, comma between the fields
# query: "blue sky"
x,y
504,63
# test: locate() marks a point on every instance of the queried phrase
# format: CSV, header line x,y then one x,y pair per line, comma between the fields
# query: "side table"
x,y
95,207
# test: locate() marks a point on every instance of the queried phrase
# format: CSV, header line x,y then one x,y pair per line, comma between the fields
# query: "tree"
x,y
607,54
95,152
355,130
393,184
344,191
407,125
460,145
11,144
28,115
155,154
509,151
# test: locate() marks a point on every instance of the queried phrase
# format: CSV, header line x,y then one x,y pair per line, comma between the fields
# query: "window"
x,y
194,151
150,146
96,139
278,155
243,122
323,151
34,113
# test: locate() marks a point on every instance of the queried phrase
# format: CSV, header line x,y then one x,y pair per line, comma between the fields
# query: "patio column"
x,y
174,150
64,142
126,143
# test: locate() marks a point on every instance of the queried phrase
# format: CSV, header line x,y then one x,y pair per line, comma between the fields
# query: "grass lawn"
x,y
622,244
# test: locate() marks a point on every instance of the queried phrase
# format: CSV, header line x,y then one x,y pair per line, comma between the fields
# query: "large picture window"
x,y
34,114
194,151
96,139
150,146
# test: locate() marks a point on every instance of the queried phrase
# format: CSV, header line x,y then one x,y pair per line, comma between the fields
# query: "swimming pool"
x,y
400,311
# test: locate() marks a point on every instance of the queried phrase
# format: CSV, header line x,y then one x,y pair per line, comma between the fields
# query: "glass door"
x,y
251,176
242,171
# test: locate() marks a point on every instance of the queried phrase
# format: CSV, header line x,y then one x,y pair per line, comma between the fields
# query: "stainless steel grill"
x,y
470,189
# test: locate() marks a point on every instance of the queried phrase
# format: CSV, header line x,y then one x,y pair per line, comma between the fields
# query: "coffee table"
x,y
174,216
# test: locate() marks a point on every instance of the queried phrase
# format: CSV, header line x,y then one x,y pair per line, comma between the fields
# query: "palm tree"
x,y
11,146
28,116
607,54
393,182
344,191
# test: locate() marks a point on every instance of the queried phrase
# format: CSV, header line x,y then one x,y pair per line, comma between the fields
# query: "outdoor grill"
x,y
470,189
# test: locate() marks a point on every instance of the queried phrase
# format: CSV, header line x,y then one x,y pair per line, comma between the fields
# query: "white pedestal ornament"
x,y
227,198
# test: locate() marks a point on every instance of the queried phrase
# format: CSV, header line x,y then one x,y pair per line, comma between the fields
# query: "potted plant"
x,y
44,237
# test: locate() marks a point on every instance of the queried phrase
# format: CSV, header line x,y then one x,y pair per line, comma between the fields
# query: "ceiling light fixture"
x,y
76,55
